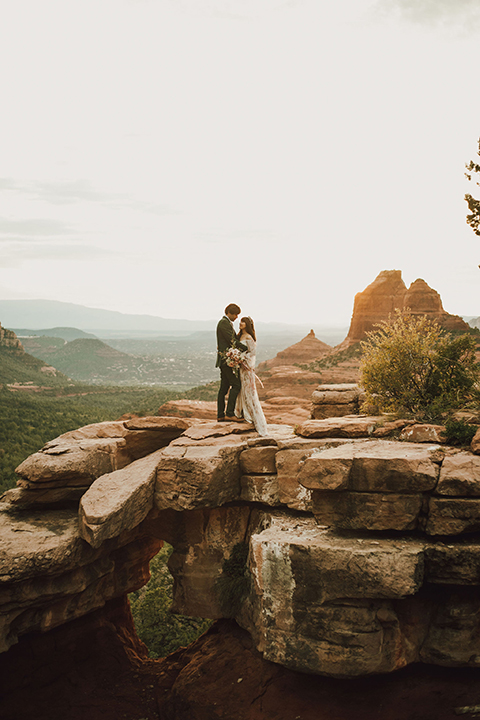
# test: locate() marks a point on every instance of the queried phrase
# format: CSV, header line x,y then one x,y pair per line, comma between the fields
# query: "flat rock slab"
x,y
81,456
453,516
118,501
78,461
352,426
333,397
423,433
213,430
460,475
165,424
373,466
367,511
453,564
39,543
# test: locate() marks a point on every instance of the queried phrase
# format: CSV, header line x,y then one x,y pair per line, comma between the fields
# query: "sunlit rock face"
x,y
388,293
8,339
360,554
308,349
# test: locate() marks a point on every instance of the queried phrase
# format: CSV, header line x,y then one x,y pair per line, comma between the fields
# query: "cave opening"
x,y
160,629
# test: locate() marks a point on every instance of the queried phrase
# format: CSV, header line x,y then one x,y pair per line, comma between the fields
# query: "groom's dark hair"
x,y
232,309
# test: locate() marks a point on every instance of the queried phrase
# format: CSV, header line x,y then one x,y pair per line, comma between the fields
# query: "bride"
x,y
248,403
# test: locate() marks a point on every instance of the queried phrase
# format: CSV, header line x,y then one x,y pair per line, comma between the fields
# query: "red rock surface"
x,y
308,349
388,293
278,410
96,669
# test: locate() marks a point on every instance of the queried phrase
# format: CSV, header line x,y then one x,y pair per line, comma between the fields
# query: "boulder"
x,y
452,564
118,501
453,632
61,463
460,475
197,475
366,511
309,625
373,466
350,426
77,458
423,433
453,516
475,444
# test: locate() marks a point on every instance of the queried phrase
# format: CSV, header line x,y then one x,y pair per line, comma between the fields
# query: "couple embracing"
x,y
236,360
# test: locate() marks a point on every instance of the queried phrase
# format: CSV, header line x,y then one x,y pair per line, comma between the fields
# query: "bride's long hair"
x,y
249,327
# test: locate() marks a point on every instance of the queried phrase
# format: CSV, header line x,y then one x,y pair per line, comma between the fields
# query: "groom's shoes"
x,y
233,418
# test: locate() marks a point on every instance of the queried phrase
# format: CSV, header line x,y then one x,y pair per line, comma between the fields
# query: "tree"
x,y
473,219
410,365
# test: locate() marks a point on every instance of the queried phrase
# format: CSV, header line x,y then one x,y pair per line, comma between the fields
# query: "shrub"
x,y
459,432
411,366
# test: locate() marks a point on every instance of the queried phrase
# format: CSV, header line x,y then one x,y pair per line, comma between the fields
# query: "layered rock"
x,y
362,553
336,400
389,293
308,349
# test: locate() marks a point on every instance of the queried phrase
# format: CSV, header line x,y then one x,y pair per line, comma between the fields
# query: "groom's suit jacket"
x,y
226,339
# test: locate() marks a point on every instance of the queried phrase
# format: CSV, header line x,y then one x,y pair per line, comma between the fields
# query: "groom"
x,y
226,338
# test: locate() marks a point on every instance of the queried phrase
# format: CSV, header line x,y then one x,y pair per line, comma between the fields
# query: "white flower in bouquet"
x,y
234,357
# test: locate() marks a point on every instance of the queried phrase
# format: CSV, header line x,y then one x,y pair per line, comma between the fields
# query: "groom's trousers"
x,y
228,379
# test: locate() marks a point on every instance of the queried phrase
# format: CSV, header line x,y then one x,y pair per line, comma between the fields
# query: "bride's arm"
x,y
251,352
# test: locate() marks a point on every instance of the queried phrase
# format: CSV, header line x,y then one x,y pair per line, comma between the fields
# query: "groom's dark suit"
x,y
228,379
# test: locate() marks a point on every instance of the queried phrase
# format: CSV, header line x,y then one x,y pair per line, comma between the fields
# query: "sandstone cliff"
x,y
388,293
320,601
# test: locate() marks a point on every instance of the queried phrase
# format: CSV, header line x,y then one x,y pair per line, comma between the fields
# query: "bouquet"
x,y
234,358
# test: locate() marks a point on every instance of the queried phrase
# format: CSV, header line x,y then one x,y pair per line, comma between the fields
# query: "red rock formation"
x,y
305,351
95,668
388,293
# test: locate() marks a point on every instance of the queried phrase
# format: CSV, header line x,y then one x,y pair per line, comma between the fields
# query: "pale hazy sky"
x,y
170,156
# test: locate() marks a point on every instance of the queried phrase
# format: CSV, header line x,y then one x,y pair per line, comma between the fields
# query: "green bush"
x,y
161,630
411,366
459,432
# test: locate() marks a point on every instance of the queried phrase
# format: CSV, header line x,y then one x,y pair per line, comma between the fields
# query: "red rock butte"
x,y
304,351
389,293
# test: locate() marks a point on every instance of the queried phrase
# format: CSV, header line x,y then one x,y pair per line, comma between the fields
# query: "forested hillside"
x,y
24,368
29,420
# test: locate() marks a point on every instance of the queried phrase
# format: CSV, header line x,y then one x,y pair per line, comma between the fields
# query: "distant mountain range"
x,y
35,314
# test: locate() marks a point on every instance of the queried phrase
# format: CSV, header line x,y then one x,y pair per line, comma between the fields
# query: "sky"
x,y
168,157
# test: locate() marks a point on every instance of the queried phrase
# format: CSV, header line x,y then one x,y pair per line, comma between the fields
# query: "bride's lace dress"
x,y
248,403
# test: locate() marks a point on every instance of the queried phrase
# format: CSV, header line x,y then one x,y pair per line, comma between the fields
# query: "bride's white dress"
x,y
248,403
